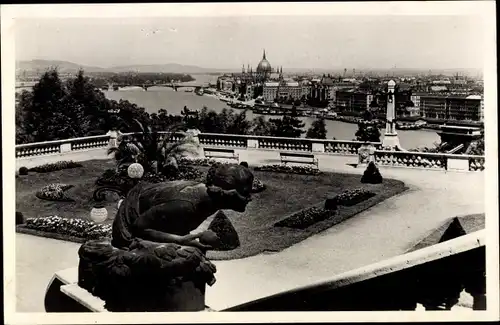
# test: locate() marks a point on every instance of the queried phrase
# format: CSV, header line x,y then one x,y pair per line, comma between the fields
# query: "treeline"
x,y
129,78
56,110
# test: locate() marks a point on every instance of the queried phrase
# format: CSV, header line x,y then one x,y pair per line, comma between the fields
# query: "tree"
x,y
367,129
93,102
239,124
317,130
50,113
260,126
289,126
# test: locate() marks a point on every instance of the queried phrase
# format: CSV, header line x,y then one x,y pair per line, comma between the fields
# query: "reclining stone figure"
x,y
153,263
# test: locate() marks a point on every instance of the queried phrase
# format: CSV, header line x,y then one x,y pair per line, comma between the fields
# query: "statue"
x,y
153,262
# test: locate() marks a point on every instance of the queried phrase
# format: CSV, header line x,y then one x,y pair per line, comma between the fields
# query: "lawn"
x,y
285,195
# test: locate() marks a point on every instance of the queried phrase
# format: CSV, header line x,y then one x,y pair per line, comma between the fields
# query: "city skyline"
x,y
294,42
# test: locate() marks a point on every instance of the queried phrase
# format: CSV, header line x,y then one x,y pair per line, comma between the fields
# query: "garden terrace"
x,y
82,149
285,194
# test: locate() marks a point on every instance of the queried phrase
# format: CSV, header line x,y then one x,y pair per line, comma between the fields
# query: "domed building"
x,y
264,68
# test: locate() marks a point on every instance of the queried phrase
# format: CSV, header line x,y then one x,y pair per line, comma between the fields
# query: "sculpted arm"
x,y
179,210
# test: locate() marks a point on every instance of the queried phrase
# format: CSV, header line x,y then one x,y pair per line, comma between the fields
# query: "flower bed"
x,y
77,228
206,162
305,218
60,165
258,186
184,173
54,192
302,170
352,197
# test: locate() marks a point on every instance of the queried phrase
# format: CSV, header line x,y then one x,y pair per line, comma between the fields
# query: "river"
x,y
173,101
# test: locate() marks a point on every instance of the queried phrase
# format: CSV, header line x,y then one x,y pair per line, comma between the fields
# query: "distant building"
x,y
282,89
451,107
322,89
352,101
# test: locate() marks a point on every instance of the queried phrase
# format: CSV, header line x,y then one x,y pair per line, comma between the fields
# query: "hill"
x,y
63,66
165,68
38,66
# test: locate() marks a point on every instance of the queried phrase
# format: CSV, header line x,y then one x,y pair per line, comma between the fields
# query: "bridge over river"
x,y
116,86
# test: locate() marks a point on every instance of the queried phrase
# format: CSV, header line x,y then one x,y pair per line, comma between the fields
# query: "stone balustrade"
x,y
95,142
61,146
222,140
435,161
431,278
410,159
344,147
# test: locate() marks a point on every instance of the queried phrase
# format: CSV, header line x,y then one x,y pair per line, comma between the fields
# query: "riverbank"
x,y
173,101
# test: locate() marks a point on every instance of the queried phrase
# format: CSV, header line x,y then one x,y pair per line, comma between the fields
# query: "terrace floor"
x,y
383,231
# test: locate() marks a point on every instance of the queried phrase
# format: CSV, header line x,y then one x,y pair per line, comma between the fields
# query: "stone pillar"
x,y
318,147
194,133
252,143
391,140
65,147
366,153
113,139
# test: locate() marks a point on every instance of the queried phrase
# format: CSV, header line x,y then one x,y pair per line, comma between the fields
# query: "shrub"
x,y
23,171
352,197
19,218
223,228
79,228
54,192
371,174
60,165
305,218
330,204
258,186
302,170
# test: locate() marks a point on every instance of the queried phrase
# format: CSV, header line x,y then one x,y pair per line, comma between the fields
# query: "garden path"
x,y
383,231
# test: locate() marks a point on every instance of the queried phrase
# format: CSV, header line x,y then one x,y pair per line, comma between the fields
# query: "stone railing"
x,y
437,161
346,147
431,278
285,144
222,140
61,146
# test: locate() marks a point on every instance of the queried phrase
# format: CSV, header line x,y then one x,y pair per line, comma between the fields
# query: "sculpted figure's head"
x,y
230,186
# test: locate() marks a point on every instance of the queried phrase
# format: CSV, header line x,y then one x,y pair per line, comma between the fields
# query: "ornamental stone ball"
x,y
135,171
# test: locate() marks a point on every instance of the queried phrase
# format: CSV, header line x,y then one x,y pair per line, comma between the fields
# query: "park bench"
x,y
296,157
220,153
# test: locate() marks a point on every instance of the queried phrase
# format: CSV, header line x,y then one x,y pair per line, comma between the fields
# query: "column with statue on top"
x,y
391,140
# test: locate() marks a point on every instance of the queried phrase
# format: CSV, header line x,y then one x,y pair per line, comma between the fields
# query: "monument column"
x,y
391,140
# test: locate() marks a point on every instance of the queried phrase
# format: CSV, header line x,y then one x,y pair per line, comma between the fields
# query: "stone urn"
x,y
366,153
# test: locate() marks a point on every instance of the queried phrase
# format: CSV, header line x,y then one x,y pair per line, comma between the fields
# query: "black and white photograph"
x,y
273,158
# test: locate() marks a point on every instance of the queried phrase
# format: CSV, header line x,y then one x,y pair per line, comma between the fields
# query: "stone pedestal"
x,y
150,277
65,147
318,147
366,153
390,141
252,143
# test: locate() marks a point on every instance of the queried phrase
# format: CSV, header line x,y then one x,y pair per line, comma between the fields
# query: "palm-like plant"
x,y
156,151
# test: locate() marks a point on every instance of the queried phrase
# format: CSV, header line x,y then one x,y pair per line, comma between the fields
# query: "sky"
x,y
316,42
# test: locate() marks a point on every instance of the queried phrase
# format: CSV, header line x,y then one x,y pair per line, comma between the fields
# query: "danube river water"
x,y
174,101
